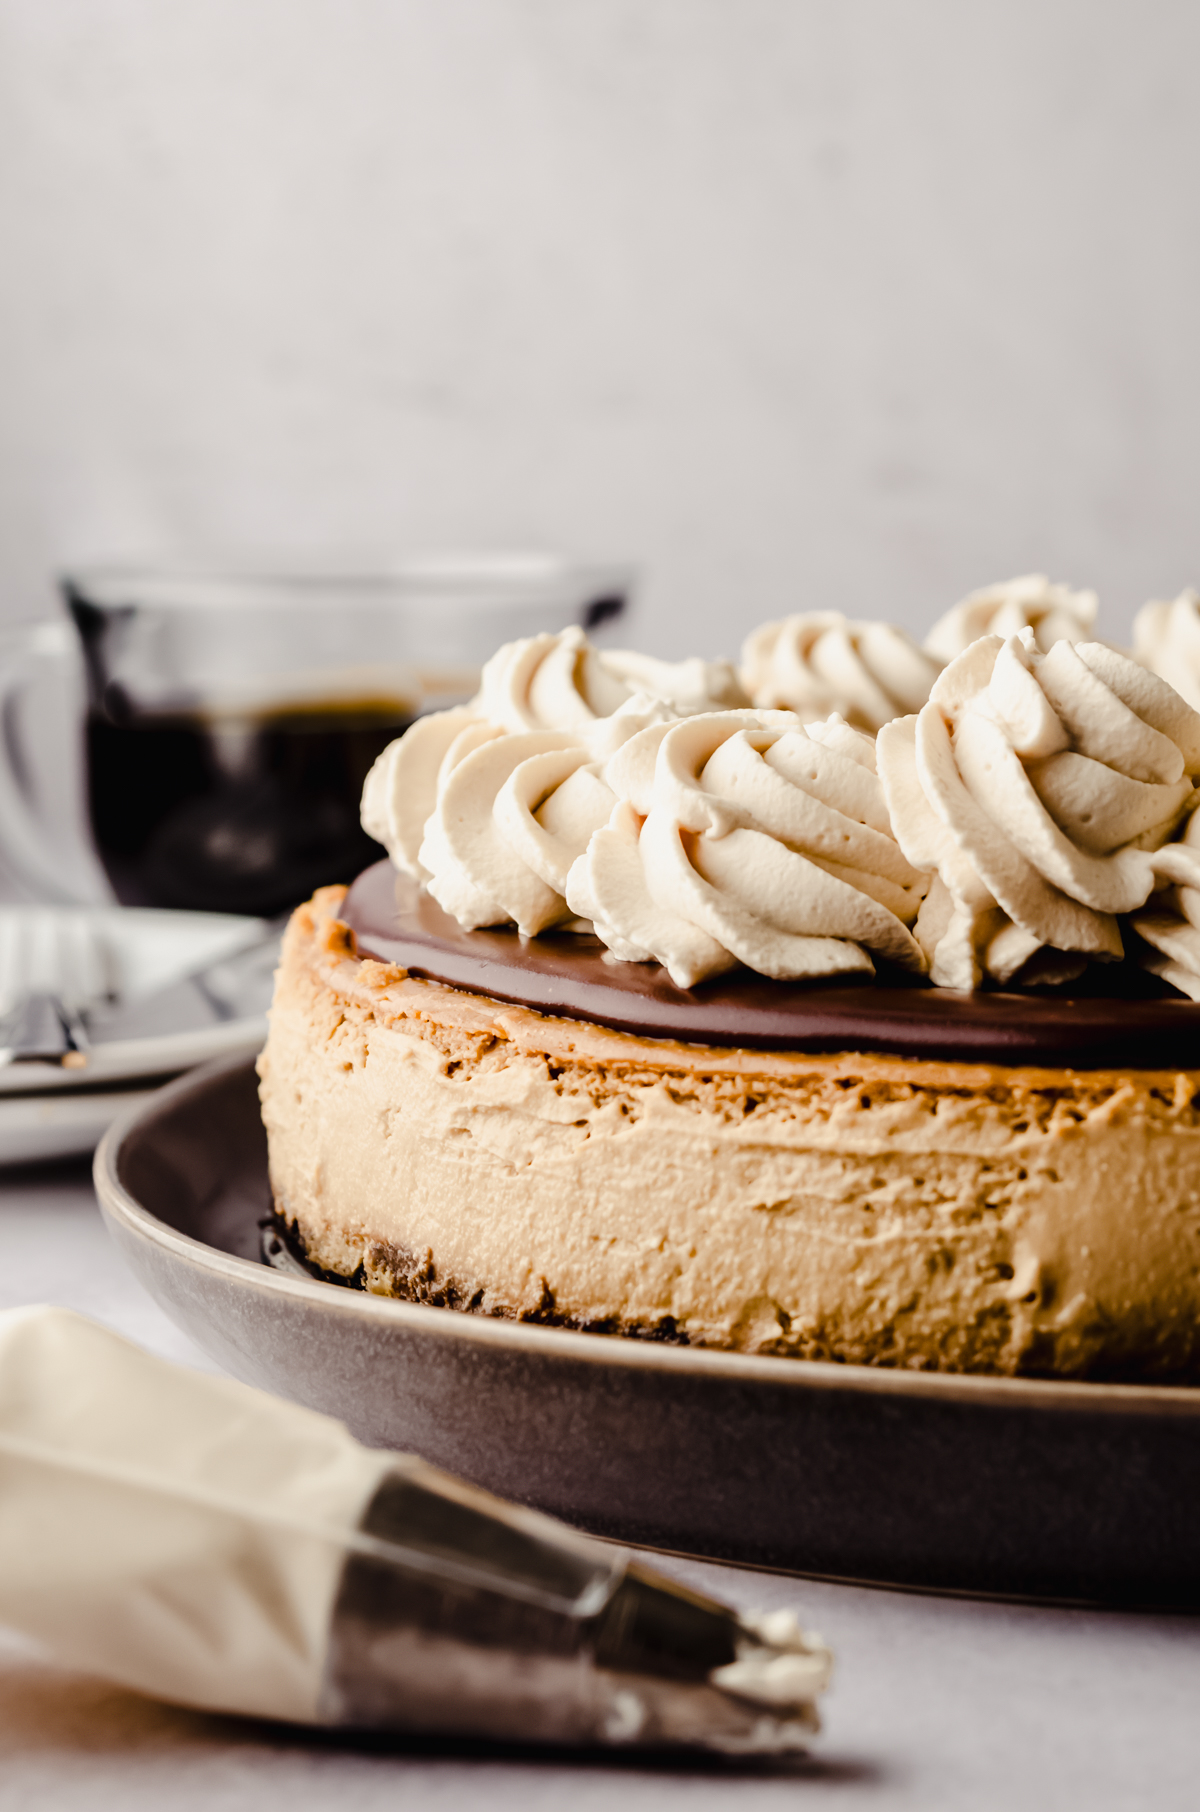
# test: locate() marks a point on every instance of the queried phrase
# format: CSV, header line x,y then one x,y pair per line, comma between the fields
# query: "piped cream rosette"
x,y
820,662
562,682
745,836
1166,639
491,821
1054,612
555,686
1040,789
511,816
1170,925
698,842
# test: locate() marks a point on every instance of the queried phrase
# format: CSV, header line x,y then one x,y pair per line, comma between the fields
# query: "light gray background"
x,y
857,304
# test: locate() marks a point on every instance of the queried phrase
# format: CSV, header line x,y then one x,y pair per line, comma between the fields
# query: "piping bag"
x,y
206,1543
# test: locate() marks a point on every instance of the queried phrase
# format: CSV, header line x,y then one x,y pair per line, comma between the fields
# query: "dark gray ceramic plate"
x,y
1017,1487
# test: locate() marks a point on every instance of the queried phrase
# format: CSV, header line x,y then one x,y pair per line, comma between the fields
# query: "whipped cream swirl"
x,y
746,836
559,685
562,682
697,842
1166,639
1039,789
1170,925
820,662
1054,612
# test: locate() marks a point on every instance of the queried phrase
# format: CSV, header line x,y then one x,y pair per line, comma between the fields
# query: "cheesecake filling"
x,y
445,1148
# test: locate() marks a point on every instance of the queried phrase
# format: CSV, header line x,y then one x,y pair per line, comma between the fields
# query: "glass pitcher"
x,y
209,748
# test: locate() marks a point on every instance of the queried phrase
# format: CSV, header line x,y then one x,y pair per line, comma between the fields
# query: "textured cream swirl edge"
x,y
760,842
1166,639
726,846
819,662
551,802
1054,611
1042,792
552,682
1170,924
563,682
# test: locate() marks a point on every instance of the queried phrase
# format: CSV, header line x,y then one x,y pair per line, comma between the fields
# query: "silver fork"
x,y
52,968
41,1028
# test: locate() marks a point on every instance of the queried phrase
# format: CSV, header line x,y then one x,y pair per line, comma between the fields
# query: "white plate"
x,y
128,1059
163,1024
60,1126
52,1113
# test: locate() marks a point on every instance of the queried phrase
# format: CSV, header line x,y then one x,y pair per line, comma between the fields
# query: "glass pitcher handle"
x,y
39,843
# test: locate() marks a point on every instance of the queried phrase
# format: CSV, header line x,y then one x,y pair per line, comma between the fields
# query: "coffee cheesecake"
x,y
711,1026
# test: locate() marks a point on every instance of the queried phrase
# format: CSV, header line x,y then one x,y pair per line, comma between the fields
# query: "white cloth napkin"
x,y
179,1533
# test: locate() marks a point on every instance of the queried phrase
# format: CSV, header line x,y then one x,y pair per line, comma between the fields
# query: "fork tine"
x,y
34,1031
54,950
15,957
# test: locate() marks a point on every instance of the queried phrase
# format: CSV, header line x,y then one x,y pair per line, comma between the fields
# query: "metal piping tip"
x,y
694,1672
461,1614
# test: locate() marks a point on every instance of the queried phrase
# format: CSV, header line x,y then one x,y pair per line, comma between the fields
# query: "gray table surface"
x,y
936,1702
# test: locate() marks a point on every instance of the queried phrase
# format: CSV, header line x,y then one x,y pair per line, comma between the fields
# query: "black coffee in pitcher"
x,y
222,813
232,719
228,734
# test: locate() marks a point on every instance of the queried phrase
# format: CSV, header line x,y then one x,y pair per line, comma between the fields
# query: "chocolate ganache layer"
x,y
1136,1024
